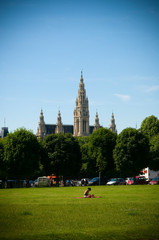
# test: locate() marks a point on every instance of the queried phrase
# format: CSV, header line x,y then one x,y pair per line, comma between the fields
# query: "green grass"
x,y
122,213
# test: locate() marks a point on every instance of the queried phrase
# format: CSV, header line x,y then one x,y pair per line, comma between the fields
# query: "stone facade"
x,y
96,125
81,125
4,131
81,112
41,131
112,125
59,126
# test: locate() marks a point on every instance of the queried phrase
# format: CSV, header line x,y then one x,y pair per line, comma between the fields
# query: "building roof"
x,y
4,132
50,128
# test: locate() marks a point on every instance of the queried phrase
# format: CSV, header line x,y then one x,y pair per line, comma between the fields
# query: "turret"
x,y
41,131
96,125
112,125
59,126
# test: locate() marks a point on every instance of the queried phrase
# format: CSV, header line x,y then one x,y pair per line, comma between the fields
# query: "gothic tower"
x,y
112,125
59,126
41,131
81,112
96,125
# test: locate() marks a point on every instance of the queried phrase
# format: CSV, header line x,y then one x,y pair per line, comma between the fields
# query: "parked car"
x,y
84,181
68,183
97,181
127,179
138,180
71,183
77,183
43,182
154,181
116,181
94,181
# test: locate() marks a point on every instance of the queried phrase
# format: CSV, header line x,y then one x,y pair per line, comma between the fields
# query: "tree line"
x,y
23,156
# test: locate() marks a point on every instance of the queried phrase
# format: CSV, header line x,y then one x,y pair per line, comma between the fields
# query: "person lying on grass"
x,y
87,195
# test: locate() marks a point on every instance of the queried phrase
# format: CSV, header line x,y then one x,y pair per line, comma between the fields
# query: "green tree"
x,y
84,148
154,153
82,140
63,155
21,154
2,162
150,126
102,143
85,160
131,153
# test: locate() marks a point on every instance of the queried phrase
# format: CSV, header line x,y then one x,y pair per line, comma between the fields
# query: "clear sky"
x,y
44,45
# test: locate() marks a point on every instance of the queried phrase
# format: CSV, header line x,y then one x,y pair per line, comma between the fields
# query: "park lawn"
x,y
122,213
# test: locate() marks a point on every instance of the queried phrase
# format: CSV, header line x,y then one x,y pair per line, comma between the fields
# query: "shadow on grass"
x,y
75,236
53,236
26,213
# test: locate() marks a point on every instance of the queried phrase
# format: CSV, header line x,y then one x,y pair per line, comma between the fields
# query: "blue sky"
x,y
44,45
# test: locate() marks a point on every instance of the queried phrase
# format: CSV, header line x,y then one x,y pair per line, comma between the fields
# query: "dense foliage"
x,y
84,149
154,152
63,156
101,145
2,163
131,153
23,156
150,126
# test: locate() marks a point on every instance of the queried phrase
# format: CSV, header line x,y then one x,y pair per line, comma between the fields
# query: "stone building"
x,y
96,125
59,126
112,125
3,132
81,112
81,125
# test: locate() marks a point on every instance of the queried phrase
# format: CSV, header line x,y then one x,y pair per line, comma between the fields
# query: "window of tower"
x,y
77,125
84,126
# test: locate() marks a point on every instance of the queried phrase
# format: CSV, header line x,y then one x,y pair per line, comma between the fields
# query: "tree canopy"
x,y
2,163
150,126
131,153
63,155
154,153
101,145
84,147
21,154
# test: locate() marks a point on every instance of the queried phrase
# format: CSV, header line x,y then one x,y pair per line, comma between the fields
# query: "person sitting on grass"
x,y
86,193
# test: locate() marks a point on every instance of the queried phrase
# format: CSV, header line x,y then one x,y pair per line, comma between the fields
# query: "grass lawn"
x,y
122,213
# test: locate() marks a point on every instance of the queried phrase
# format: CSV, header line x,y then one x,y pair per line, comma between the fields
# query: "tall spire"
x,y
59,118
59,126
81,112
41,131
81,74
112,125
96,125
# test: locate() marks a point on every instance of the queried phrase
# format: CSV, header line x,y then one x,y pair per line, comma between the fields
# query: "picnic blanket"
x,y
90,197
